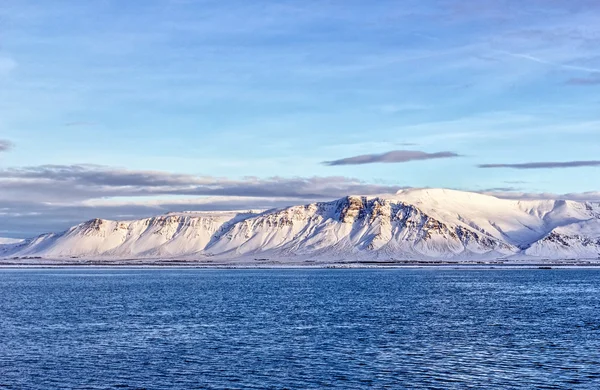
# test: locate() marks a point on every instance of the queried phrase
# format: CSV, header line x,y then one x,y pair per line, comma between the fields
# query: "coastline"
x,y
275,264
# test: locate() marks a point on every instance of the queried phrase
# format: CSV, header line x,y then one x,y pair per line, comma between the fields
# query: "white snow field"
x,y
6,241
412,225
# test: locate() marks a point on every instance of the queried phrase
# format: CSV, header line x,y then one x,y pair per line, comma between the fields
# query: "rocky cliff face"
x,y
418,224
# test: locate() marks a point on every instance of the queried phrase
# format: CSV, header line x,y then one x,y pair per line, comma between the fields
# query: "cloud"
x,y
79,124
5,145
590,196
94,181
89,174
7,65
395,156
544,165
552,63
498,190
584,81
45,198
396,108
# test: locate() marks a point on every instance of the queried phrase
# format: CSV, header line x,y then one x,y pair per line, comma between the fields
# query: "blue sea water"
x,y
394,328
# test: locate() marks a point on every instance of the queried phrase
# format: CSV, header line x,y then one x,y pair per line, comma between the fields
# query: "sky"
x,y
123,110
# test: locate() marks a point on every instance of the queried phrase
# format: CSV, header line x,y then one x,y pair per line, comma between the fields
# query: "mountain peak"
x,y
442,194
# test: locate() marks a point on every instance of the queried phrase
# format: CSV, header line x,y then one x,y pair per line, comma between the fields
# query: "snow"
x,y
4,240
426,224
516,222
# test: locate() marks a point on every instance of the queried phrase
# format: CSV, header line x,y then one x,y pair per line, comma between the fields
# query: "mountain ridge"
x,y
426,224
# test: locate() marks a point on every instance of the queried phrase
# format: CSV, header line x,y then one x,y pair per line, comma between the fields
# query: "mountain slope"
x,y
412,224
169,235
354,225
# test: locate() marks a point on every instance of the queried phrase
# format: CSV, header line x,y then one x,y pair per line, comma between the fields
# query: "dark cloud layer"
x,y
395,156
544,165
60,182
45,198
5,145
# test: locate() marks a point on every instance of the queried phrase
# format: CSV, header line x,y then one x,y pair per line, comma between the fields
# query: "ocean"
x,y
98,328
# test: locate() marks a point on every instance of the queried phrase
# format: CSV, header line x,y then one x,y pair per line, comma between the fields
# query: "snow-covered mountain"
x,y
410,225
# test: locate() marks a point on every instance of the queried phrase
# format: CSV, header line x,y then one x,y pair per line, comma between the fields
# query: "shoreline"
x,y
184,264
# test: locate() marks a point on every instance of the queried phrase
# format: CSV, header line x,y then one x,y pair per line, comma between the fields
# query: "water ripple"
x,y
304,329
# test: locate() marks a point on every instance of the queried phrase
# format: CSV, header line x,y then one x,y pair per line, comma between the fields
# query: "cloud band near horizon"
x,y
38,199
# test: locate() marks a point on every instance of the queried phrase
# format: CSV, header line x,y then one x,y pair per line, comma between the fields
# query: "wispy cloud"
x,y
544,165
5,145
584,81
79,124
498,190
7,65
406,144
396,108
395,156
552,63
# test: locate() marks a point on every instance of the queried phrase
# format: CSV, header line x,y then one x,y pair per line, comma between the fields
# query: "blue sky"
x,y
260,94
